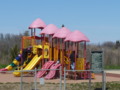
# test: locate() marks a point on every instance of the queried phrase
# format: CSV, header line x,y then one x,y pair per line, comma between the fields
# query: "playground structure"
x,y
53,48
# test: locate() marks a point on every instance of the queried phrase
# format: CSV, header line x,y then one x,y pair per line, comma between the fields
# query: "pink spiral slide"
x,y
52,73
47,65
3,69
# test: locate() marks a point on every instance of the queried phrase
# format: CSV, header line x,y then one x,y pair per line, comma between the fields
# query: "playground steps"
x,y
86,75
80,75
72,75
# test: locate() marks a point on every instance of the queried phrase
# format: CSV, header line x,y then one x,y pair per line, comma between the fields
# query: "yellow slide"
x,y
36,59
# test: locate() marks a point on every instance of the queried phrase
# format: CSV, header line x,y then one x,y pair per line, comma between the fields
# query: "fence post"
x,y
64,78
60,78
21,81
89,81
35,79
103,80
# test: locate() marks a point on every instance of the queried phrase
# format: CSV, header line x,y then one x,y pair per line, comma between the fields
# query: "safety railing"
x,y
65,80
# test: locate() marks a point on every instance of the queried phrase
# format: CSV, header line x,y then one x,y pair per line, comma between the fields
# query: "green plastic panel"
x,y
97,61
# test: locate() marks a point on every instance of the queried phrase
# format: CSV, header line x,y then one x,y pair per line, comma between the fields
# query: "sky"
x,y
99,20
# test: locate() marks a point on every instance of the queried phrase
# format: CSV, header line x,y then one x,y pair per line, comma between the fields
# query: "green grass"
x,y
2,65
112,67
84,86
50,86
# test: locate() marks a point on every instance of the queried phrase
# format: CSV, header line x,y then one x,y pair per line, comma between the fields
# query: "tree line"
x,y
111,52
10,45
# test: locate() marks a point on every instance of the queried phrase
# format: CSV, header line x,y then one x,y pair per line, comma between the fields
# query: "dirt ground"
x,y
9,77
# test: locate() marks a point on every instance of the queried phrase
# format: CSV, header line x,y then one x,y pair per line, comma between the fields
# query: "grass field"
x,y
105,67
112,67
53,86
2,65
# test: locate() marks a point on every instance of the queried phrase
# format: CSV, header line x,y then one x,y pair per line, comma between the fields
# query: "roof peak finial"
x,y
63,25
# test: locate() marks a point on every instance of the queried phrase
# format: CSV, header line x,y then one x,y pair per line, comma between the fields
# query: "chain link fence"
x,y
66,80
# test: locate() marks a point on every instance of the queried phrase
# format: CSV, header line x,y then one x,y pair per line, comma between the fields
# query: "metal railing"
x,y
62,78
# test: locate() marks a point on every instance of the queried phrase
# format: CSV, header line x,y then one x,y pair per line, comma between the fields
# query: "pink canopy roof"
x,y
76,36
38,23
62,33
49,29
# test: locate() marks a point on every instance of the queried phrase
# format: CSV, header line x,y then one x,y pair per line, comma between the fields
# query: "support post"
x,y
64,78
103,80
21,79
35,79
60,78
89,80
